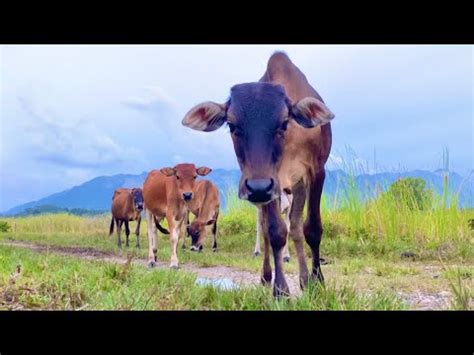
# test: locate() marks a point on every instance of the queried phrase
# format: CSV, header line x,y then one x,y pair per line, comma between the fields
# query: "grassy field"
x,y
364,244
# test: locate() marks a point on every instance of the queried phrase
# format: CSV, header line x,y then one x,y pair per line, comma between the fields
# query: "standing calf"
x,y
167,193
205,207
127,205
281,132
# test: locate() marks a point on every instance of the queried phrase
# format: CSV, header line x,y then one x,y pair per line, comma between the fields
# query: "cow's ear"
x,y
311,112
203,170
206,117
168,171
212,221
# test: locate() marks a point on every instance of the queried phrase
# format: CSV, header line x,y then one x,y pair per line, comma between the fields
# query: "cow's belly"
x,y
157,209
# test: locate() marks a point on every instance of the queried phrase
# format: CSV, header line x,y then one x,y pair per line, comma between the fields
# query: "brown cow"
x,y
282,139
127,205
205,207
167,193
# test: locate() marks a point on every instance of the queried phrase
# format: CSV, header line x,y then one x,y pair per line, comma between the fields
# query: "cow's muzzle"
x,y
259,190
196,248
187,196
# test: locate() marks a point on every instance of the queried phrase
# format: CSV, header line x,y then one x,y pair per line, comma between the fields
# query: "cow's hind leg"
x,y
119,228
257,250
137,230
151,239
127,233
275,231
313,229
296,230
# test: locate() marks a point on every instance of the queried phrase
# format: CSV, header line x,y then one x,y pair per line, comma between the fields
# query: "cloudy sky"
x,y
71,113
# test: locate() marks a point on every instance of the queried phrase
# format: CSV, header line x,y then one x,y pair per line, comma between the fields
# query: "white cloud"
x,y
151,98
61,141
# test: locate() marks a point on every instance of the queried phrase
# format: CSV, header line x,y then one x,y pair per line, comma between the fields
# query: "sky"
x,y
71,113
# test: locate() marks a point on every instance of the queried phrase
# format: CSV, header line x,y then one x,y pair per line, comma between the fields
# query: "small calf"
x,y
205,207
127,205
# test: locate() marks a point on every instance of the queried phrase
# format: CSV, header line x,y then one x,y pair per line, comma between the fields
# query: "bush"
x,y
411,192
4,226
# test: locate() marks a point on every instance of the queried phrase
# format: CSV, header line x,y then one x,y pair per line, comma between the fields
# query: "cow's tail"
x,y
111,230
160,228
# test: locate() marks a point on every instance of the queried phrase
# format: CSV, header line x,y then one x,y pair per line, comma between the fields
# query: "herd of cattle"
x,y
281,132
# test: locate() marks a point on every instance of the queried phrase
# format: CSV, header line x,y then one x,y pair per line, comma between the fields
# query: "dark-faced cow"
x,y
205,207
167,193
127,205
282,139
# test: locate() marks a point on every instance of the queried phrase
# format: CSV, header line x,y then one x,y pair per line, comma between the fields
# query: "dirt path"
x,y
239,277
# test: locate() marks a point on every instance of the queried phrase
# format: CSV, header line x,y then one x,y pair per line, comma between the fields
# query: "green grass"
x,y
48,281
363,242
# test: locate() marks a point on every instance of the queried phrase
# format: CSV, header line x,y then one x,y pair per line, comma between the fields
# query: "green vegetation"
x,y
4,226
57,282
365,243
45,209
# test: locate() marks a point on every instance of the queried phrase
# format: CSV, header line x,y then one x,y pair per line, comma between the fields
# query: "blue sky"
x,y
71,113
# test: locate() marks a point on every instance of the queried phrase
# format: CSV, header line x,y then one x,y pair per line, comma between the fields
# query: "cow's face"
x,y
258,115
137,199
185,175
197,231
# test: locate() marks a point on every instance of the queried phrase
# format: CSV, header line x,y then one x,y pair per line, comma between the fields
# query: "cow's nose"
x,y
259,185
187,196
260,190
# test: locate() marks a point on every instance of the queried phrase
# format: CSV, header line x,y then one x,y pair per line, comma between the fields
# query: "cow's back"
x,y
155,192
311,145
122,203
206,192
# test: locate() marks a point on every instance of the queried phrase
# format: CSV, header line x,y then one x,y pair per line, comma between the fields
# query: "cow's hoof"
x,y
286,259
214,249
151,264
174,266
256,253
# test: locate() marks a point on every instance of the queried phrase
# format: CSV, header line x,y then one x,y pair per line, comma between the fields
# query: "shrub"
x,y
411,192
4,226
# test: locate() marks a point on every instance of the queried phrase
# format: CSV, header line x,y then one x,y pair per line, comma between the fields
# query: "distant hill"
x,y
96,194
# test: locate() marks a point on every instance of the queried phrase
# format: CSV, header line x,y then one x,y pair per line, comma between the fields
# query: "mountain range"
x,y
96,194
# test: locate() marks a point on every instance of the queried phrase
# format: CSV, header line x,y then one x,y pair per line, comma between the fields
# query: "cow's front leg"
x,y
214,234
137,230
151,239
127,233
286,201
175,227
275,229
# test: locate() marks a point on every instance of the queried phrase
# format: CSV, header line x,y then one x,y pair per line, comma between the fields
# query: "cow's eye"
x,y
284,125
177,177
195,177
231,127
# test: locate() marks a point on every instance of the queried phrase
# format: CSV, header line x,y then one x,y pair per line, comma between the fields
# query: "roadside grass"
x,y
29,280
